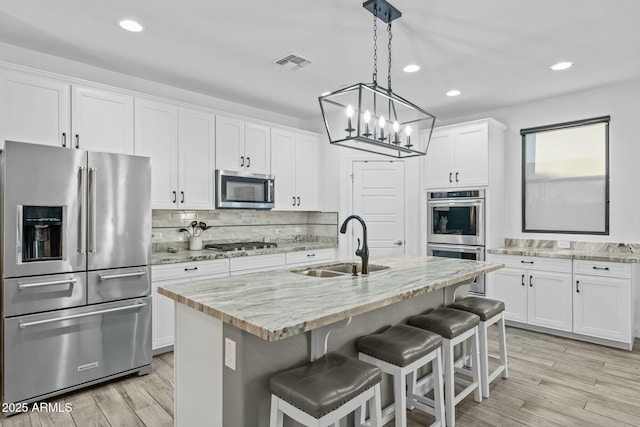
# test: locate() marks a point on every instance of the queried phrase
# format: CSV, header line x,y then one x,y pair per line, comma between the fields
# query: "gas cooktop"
x,y
240,246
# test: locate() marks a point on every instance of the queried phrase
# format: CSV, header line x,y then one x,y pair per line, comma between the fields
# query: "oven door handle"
x,y
461,203
457,248
79,316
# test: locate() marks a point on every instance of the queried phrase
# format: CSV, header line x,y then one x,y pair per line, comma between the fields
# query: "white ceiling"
x,y
497,52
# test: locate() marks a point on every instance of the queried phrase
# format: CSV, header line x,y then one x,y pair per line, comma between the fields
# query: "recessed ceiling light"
x,y
561,66
411,68
325,93
130,25
453,92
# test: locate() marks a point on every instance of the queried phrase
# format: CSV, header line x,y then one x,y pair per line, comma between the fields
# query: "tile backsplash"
x,y
242,225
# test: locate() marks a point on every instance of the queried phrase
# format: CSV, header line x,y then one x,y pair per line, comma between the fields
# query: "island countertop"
x,y
278,304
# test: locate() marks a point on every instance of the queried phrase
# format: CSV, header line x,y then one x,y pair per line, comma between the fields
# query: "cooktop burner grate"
x,y
240,246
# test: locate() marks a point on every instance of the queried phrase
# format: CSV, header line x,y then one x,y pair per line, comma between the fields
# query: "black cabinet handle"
x,y
531,281
294,201
182,197
522,281
601,268
450,176
298,200
190,269
64,139
578,286
526,262
242,161
248,162
175,197
310,255
457,177
77,141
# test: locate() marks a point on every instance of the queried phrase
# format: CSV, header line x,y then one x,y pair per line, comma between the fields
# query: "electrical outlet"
x,y
564,244
156,235
230,354
278,231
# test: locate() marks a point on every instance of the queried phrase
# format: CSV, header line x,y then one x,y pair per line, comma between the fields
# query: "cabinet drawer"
x,y
311,256
190,269
607,269
534,263
254,263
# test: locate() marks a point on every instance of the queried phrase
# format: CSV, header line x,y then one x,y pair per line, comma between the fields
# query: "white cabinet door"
x,y
510,287
282,161
257,148
163,317
102,120
230,144
196,130
471,156
157,137
549,299
35,109
306,175
439,160
602,307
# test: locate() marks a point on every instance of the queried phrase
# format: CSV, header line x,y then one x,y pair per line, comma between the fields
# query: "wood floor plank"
x,y
114,407
135,396
155,415
86,411
160,390
50,413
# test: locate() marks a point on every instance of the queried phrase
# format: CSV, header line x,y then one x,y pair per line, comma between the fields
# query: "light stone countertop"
x,y
183,255
278,304
589,255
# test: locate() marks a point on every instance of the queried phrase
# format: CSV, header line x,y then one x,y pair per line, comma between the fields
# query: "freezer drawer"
x,y
43,293
118,284
44,353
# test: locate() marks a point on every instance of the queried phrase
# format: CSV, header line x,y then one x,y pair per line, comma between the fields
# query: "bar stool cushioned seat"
x,y
449,323
482,307
400,345
322,386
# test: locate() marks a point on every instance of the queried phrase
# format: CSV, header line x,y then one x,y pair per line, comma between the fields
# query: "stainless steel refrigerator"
x,y
76,249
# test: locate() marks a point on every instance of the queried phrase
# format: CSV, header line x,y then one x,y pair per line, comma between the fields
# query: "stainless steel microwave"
x,y
239,190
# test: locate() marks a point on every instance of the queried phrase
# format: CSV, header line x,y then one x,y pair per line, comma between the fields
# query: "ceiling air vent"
x,y
293,61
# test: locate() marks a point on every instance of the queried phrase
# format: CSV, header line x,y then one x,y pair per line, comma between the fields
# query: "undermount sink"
x,y
335,270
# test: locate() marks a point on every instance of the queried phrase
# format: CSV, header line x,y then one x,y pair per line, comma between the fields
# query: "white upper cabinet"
x,y
464,155
102,120
196,155
242,146
180,142
35,109
294,164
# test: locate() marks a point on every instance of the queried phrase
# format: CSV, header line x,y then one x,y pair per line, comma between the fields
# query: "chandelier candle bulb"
x,y
349,116
396,128
407,131
366,118
381,123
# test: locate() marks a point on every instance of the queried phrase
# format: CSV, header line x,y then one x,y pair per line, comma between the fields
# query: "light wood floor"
x,y
552,382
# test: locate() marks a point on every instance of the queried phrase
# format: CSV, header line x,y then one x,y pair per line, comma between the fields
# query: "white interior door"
x,y
378,197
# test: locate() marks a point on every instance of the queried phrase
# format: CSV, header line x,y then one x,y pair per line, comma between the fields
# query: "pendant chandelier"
x,y
369,117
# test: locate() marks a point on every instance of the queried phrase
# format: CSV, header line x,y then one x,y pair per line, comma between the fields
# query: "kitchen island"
x,y
233,333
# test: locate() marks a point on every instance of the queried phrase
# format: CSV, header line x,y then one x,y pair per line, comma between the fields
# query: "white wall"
x,y
40,61
622,103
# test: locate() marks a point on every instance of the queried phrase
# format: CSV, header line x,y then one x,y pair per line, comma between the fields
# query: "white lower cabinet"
x,y
163,314
602,305
311,256
254,264
590,299
533,294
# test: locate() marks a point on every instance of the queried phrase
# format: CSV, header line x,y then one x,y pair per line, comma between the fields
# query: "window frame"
x,y
565,125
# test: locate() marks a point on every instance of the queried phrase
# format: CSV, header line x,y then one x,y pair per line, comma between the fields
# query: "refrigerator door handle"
x,y
82,246
79,316
22,286
121,276
92,208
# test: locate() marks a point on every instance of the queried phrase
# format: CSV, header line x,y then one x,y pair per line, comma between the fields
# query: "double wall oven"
x,y
455,227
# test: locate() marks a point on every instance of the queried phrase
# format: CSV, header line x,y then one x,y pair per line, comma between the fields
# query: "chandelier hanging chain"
x,y
375,47
389,47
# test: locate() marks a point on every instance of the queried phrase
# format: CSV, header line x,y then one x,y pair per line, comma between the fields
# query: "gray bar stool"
x,y
490,312
455,327
326,390
400,351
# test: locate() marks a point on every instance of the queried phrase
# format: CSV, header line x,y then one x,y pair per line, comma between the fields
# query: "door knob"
x,y
398,243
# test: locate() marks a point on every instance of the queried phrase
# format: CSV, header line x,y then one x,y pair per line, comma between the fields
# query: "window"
x,y
565,177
